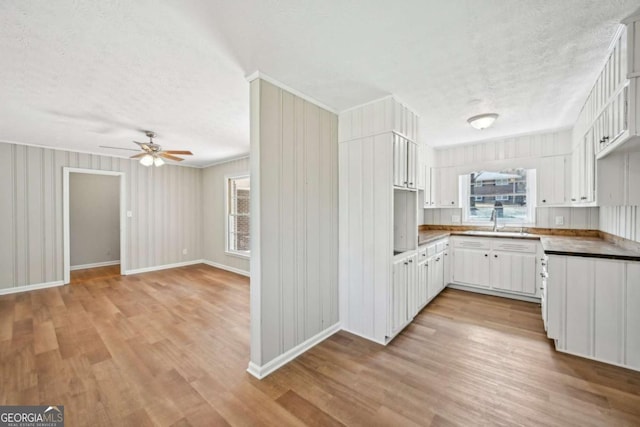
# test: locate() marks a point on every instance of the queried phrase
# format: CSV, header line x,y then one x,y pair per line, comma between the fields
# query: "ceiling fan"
x,y
153,154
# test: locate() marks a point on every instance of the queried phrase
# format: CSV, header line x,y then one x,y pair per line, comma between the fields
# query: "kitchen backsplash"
x,y
622,221
573,218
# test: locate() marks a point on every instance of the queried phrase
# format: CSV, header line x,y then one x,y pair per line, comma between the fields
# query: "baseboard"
x,y
227,268
595,359
163,267
493,293
33,287
94,265
262,371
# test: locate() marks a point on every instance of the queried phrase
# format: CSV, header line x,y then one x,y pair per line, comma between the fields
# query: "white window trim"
x,y
465,183
227,251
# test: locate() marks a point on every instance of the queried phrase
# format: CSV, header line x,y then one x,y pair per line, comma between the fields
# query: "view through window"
x,y
508,192
238,237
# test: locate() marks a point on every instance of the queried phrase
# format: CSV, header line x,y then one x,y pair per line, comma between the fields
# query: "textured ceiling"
x,y
82,74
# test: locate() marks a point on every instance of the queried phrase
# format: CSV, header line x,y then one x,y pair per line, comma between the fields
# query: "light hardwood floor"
x,y
171,348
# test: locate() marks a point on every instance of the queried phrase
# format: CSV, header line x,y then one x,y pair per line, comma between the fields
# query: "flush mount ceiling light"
x,y
482,121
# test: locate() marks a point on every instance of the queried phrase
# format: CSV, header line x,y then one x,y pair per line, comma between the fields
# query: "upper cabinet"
x,y
374,118
554,178
405,163
611,113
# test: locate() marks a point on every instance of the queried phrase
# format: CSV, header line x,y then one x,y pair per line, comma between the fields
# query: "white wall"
x,y
94,218
523,151
294,221
622,221
214,216
165,203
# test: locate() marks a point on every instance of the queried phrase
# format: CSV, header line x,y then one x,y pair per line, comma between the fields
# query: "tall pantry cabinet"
x,y
379,177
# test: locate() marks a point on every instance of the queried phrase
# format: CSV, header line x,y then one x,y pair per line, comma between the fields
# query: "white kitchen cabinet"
x,y
404,163
377,216
436,276
632,314
618,177
592,308
423,279
554,179
445,187
471,266
583,171
447,260
612,109
513,272
507,266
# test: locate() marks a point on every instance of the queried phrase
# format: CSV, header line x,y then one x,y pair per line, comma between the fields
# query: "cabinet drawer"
x,y
473,243
422,253
441,246
514,245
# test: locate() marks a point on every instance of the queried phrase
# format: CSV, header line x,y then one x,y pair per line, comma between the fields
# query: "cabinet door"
x,y
428,191
589,167
632,304
413,303
556,282
552,181
423,280
471,267
578,315
412,164
446,267
398,296
433,287
609,310
399,161
445,183
513,272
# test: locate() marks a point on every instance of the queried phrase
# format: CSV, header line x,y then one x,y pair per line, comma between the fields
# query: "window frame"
x,y
465,192
227,214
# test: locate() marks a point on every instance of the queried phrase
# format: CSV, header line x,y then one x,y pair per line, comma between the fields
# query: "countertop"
x,y
592,247
586,247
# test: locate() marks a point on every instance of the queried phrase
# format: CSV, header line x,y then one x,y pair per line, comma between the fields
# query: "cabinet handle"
x,y
411,183
438,259
410,260
495,256
486,254
406,263
544,200
453,203
573,200
583,198
604,138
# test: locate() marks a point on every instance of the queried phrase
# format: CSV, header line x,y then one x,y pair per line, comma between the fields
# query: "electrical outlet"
x,y
559,220
184,251
455,219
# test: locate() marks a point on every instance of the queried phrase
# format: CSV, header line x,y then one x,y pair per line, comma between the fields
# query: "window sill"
x,y
500,224
237,255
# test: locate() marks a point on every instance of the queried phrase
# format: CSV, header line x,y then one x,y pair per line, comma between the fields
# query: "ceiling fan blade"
x,y
118,148
143,145
183,152
137,156
170,157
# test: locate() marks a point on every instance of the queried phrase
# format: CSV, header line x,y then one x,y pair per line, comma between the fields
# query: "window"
x,y
237,200
510,193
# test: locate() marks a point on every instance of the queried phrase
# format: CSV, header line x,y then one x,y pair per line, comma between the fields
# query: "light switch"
x,y
559,220
129,214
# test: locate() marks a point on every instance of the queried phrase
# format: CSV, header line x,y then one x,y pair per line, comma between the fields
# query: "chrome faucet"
x,y
494,218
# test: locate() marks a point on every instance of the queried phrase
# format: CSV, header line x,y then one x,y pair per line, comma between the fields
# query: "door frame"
x,y
65,217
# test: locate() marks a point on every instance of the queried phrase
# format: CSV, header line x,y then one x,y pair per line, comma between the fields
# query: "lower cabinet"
x,y
592,308
418,277
502,265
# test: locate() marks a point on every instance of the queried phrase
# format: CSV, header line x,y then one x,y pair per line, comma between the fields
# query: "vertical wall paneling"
x,y
294,173
31,227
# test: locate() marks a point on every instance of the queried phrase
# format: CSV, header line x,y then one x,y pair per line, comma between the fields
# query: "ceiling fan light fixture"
x,y
146,160
482,121
158,162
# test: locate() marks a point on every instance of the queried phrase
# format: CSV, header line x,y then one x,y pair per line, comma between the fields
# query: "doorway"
x,y
91,244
